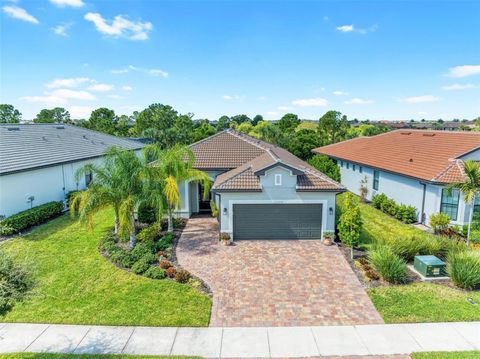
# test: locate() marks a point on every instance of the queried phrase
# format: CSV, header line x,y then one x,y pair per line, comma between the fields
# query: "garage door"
x,y
277,221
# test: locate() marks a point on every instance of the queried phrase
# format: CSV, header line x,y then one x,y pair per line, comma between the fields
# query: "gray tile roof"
x,y
28,146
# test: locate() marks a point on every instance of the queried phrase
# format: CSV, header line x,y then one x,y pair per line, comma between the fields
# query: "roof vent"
x,y
410,160
405,133
13,128
60,127
44,138
428,134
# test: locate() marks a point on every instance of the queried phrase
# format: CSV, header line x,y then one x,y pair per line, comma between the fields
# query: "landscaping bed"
x,y
153,255
74,284
399,294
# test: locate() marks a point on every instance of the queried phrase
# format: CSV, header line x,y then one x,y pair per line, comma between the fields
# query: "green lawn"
x,y
76,285
85,356
424,302
418,302
447,355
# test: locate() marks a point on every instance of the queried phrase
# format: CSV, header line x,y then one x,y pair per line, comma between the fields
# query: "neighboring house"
x,y
38,162
411,166
261,191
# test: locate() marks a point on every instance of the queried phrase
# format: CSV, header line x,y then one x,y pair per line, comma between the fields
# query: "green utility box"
x,y
430,266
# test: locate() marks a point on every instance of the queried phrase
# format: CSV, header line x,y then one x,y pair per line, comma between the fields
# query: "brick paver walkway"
x,y
274,283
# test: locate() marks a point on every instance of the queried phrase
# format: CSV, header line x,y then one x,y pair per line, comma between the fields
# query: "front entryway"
x,y
274,283
277,221
203,202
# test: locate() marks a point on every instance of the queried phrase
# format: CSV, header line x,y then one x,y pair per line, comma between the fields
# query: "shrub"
x,y
14,282
350,223
372,274
439,222
378,199
182,276
390,266
407,247
70,196
155,273
464,268
6,231
32,217
171,272
143,248
165,264
123,257
224,236
214,208
146,214
150,233
140,266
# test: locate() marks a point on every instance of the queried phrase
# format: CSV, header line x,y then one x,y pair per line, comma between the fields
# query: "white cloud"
x,y
227,97
127,88
285,108
120,27
420,99
340,93
464,71
73,94
19,13
80,111
72,3
352,28
61,29
311,102
345,28
48,100
458,87
68,82
101,87
272,113
232,97
358,101
157,72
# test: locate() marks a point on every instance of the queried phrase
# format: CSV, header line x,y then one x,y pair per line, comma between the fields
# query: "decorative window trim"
x,y
278,179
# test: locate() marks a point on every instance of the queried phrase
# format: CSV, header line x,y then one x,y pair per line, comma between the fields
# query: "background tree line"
x,y
166,127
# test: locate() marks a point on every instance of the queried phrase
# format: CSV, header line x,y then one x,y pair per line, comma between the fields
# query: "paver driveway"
x,y
274,283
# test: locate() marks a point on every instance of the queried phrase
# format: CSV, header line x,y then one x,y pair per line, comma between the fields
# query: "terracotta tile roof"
x,y
245,176
225,150
426,155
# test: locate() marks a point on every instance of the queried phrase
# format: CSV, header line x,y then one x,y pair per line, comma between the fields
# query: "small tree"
x,y
364,189
350,223
439,222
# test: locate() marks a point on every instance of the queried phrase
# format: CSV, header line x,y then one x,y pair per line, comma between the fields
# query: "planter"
x,y
328,238
226,242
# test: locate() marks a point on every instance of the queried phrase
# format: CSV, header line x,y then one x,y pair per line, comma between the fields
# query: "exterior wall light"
x,y
330,211
224,210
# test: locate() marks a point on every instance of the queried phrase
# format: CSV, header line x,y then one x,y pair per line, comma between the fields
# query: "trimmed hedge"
x,y
32,217
402,212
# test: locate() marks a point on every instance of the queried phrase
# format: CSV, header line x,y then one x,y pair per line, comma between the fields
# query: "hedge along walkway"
x,y
417,302
76,285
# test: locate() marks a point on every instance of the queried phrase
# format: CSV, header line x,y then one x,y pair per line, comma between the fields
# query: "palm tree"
x,y
470,188
116,183
171,166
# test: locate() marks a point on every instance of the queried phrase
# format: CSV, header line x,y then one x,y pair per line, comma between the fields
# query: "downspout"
x,y
422,213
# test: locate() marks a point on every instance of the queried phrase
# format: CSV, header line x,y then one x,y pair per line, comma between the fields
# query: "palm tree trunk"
x,y
170,220
472,207
133,235
117,225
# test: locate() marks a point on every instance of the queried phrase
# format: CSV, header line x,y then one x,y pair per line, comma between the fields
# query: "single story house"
x,y
38,162
262,191
412,167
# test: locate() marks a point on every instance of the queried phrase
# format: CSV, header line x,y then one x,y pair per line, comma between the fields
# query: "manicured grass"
x,y
424,302
378,225
76,285
85,356
447,355
418,302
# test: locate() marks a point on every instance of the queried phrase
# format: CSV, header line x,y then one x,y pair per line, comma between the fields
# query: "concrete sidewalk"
x,y
272,342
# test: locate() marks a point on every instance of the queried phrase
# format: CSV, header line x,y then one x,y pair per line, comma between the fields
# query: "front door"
x,y
204,203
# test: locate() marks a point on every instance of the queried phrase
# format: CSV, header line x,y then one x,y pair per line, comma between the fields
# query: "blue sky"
x,y
376,60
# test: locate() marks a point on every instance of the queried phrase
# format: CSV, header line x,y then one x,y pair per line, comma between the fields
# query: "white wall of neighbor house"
x,y
44,184
271,193
402,189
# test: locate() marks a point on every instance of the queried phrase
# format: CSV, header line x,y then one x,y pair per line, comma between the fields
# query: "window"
x,y
476,210
360,169
88,178
376,178
341,164
449,204
348,165
278,180
354,168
